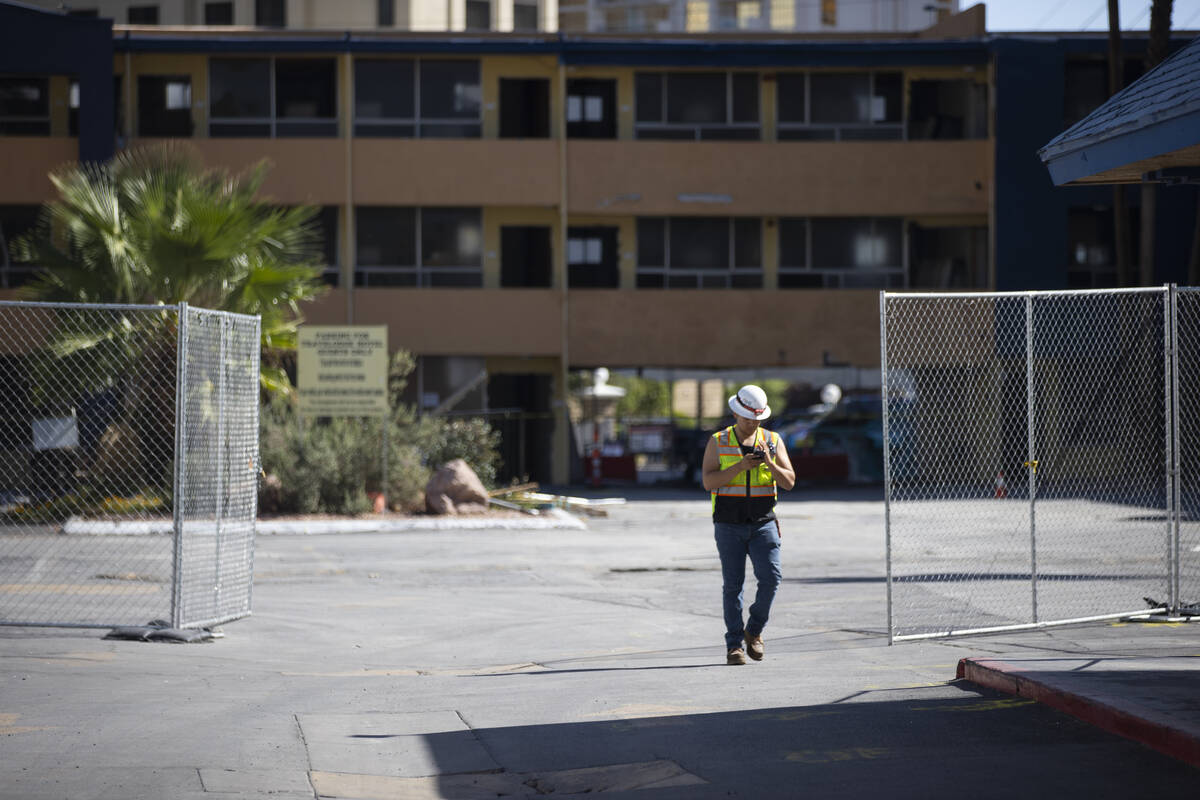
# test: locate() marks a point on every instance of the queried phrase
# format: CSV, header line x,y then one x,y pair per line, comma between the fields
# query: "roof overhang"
x,y
1127,157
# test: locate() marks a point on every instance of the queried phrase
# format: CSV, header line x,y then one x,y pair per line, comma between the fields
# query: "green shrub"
x,y
330,465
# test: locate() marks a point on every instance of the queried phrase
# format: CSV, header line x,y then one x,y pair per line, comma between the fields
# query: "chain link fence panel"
x,y
1186,553
99,523
1027,452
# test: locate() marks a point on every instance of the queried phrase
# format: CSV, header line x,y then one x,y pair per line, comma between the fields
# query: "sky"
x,y
1080,15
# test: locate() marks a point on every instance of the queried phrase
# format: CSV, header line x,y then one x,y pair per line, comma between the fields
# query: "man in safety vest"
x,y
743,467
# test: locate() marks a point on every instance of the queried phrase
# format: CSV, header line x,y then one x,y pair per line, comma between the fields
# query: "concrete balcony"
x,y
26,164
623,327
723,328
780,178
461,172
303,171
453,322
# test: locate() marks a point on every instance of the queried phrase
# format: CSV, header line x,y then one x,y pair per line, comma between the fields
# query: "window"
x,y
142,15
164,105
524,108
592,257
840,105
841,252
304,97
525,17
733,15
450,99
696,105
699,252
419,246
1092,248
950,109
385,92
591,108
24,106
386,13
526,256
270,13
948,257
479,15
327,222
1085,85
15,221
218,13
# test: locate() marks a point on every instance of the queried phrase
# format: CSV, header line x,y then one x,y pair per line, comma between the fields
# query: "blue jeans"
x,y
761,542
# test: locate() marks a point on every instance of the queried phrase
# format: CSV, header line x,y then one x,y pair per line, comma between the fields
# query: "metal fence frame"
x,y
213,501
1177,432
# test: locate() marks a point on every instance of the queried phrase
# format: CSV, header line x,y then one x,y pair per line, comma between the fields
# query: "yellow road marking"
x,y
7,727
792,716
982,705
829,756
635,710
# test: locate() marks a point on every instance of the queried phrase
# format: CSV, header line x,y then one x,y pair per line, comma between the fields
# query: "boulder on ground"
x,y
455,489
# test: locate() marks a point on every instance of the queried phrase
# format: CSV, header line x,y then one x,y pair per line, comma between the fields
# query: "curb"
x,y
1107,712
550,519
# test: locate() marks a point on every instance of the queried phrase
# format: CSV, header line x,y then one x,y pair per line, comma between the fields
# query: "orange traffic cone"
x,y
1001,489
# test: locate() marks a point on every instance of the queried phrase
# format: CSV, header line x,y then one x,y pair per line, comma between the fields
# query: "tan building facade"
x,y
522,210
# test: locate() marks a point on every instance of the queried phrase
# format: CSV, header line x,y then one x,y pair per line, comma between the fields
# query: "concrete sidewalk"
x,y
1150,699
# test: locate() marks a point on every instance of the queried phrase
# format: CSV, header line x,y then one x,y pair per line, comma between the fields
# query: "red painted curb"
x,y
1143,725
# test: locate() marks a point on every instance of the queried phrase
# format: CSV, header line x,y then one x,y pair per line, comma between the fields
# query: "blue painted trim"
x,y
1124,149
574,51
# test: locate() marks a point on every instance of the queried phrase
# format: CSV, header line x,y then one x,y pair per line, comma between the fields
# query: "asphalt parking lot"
x,y
488,663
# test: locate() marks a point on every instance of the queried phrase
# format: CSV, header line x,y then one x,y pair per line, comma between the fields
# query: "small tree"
x,y
152,226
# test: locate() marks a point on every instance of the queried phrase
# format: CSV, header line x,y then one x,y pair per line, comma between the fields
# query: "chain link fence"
x,y
1186,553
1029,448
128,464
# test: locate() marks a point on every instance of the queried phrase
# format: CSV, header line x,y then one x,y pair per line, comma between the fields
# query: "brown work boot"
x,y
754,646
735,657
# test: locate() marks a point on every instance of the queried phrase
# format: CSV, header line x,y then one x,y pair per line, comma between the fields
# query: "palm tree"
x,y
153,226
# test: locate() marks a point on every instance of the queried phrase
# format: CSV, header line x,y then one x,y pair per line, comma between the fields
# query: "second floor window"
x,y
273,97
841,252
164,105
429,98
697,105
840,105
404,246
699,253
270,13
24,106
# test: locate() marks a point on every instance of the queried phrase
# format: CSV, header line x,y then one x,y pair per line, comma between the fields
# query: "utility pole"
x,y
1120,220
1156,52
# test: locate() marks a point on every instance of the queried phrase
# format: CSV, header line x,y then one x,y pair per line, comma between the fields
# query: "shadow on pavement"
x,y
979,744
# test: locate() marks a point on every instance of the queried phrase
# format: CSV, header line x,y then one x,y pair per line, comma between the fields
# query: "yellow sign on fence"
x,y
341,370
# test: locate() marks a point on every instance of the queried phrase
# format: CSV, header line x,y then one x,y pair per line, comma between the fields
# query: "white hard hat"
x,y
750,402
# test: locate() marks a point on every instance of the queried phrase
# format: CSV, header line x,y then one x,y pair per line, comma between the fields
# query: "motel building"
x,y
517,204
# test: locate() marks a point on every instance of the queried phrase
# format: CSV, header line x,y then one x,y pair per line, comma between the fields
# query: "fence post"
x,y
219,500
887,459
1173,447
1031,463
180,464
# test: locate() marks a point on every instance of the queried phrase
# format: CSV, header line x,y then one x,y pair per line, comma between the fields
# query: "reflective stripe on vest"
x,y
762,482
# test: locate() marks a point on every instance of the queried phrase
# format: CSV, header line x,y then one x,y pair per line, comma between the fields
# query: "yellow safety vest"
x,y
755,482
